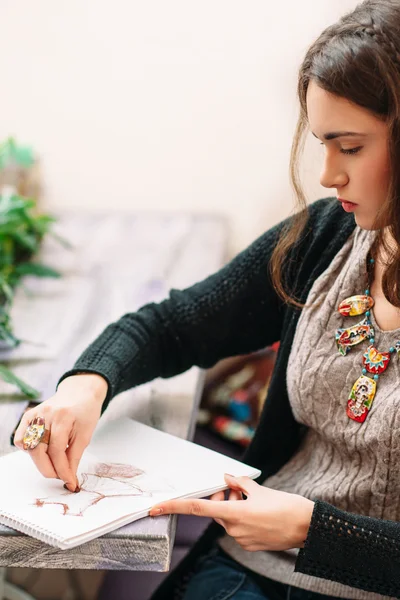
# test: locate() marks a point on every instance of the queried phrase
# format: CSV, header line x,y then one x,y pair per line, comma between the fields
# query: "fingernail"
x,y
155,511
70,487
229,475
77,489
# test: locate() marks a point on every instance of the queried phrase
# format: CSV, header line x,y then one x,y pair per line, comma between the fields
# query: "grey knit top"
x,y
354,466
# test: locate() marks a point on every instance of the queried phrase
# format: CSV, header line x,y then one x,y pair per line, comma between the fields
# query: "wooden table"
x,y
118,262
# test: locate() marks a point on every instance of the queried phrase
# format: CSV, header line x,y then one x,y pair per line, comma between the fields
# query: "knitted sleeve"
x,y
362,552
234,311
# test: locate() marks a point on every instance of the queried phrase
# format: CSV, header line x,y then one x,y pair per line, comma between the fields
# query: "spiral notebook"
x,y
127,468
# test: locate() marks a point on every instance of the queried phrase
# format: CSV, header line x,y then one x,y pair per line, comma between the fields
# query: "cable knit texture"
x,y
340,461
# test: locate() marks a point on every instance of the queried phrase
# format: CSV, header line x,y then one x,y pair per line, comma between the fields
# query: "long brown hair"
x,y
357,58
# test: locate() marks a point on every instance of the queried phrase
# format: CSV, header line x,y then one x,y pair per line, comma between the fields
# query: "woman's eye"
x,y
351,150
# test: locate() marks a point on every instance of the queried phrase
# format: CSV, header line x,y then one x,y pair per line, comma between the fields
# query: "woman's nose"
x,y
332,174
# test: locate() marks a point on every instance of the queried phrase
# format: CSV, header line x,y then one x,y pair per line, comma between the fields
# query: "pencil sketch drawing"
x,y
102,481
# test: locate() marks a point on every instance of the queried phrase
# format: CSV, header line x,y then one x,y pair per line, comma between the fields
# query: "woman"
x,y
322,519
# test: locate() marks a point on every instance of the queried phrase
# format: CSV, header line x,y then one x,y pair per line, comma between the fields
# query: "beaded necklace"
x,y
374,361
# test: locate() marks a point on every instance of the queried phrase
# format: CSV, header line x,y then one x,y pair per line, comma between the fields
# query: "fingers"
x,y
214,508
235,495
59,437
74,454
218,496
242,484
199,508
38,454
50,460
42,461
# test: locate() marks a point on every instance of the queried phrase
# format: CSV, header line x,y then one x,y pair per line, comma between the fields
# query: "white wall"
x,y
161,104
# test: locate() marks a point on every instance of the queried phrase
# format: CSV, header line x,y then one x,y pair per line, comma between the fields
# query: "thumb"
x,y
242,484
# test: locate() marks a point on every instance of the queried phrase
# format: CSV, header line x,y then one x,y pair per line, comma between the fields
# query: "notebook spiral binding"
x,y
40,533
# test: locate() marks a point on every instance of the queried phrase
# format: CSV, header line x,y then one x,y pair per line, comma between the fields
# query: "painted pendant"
x,y
375,362
361,398
346,338
355,305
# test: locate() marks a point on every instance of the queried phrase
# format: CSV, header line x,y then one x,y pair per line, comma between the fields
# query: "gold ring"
x,y
35,433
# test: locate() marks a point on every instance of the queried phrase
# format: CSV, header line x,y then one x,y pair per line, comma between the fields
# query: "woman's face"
x,y
356,161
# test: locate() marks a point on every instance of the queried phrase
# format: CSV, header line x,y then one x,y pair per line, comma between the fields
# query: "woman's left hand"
x,y
266,520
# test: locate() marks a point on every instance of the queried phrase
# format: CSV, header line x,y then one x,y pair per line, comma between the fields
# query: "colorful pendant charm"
x,y
360,399
346,338
375,362
355,305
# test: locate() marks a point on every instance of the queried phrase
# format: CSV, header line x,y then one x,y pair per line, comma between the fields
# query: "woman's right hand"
x,y
71,415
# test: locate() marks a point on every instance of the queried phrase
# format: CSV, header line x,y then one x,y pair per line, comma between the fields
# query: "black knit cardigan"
x,y
237,311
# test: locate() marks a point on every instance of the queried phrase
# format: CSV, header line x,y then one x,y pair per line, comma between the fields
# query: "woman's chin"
x,y
364,222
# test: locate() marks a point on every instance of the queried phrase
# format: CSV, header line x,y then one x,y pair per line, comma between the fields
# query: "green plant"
x,y
21,232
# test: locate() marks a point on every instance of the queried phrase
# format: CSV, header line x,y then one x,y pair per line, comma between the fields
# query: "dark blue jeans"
x,y
218,577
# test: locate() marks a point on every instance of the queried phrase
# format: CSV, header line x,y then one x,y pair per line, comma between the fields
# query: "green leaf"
x,y
35,269
27,240
7,252
6,289
8,337
8,228
42,223
9,377
13,203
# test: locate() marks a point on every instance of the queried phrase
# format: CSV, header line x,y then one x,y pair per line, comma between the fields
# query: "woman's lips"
x,y
347,206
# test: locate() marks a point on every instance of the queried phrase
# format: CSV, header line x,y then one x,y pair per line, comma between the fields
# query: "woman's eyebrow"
x,y
336,134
